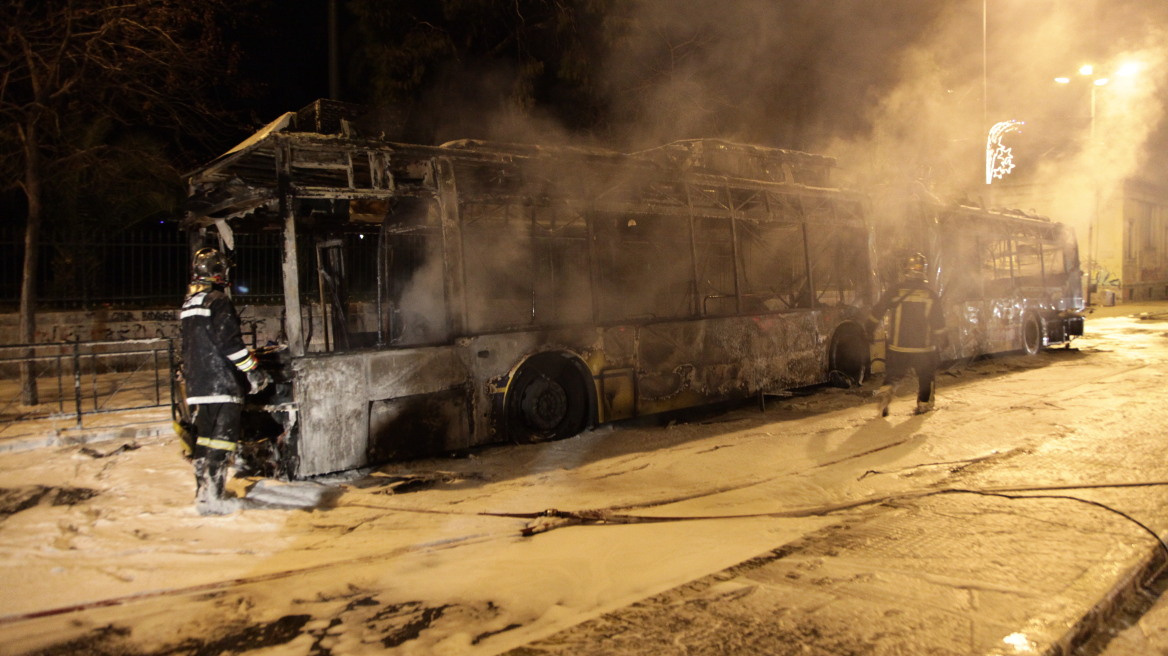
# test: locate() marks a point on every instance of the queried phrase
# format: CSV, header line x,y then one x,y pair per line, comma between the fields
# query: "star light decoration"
x,y
999,157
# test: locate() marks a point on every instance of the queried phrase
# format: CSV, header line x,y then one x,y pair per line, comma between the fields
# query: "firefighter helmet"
x,y
210,266
915,265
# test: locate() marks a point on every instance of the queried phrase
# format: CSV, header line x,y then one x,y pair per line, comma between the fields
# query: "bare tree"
x,y
140,63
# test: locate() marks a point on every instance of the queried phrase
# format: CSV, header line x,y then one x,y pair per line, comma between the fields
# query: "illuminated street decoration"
x,y
999,157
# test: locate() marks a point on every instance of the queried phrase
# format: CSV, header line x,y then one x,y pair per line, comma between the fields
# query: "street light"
x,y
1088,71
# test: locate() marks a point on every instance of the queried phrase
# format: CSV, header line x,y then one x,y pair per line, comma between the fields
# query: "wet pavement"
x,y
1053,549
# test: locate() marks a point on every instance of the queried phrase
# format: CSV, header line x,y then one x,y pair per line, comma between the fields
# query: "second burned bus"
x,y
1009,281
523,293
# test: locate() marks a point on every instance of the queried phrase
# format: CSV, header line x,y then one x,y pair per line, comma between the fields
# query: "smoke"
x,y
758,71
896,90
902,90
899,91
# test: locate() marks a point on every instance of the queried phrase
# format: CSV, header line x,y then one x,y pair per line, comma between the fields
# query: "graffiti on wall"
x,y
121,325
1102,277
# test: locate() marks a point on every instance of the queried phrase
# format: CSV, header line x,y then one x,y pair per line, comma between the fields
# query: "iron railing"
x,y
148,267
75,379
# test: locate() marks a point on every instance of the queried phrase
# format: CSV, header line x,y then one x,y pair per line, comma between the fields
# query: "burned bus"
x,y
519,293
1010,281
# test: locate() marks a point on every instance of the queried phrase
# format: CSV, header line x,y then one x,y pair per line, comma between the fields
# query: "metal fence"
x,y
145,267
141,267
76,379
148,267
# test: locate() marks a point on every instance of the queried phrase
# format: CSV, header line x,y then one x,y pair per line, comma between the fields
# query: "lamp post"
x,y
1087,72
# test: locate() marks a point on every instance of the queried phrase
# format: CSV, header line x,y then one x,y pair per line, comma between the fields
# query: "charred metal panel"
x,y
618,374
331,393
406,426
414,371
746,161
348,412
618,393
722,358
452,245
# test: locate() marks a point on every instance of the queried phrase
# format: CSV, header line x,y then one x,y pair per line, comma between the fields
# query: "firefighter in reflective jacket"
x,y
217,368
915,333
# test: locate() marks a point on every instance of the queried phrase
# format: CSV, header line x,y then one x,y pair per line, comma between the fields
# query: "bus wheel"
x,y
1032,334
849,358
548,399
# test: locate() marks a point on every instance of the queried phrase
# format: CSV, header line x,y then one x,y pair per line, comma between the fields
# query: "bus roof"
x,y
342,164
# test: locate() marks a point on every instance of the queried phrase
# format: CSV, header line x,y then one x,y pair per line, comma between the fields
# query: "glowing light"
x,y
1020,642
1063,80
1129,69
1101,81
1086,69
999,157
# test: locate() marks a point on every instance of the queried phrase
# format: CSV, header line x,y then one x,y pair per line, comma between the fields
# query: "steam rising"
x,y
897,90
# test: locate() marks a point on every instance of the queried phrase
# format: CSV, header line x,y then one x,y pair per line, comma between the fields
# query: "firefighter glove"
x,y
258,379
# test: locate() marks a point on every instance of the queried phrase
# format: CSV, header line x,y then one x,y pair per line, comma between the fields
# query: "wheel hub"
x,y
544,404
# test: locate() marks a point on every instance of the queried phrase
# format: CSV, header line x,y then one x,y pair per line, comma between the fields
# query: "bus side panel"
x,y
976,327
966,324
784,351
618,374
418,425
420,403
330,393
673,364
366,407
683,364
996,325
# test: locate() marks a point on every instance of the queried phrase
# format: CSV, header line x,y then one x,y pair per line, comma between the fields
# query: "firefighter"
x,y
915,333
218,369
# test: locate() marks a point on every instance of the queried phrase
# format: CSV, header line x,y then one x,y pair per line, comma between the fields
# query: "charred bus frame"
x,y
1010,281
528,293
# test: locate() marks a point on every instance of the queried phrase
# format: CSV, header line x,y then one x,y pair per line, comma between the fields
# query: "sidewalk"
x,y
62,430
130,404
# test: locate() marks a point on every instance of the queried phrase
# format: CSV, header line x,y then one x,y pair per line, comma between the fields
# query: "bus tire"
x,y
548,399
849,358
1032,334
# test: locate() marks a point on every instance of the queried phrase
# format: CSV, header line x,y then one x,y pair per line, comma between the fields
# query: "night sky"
x,y
286,54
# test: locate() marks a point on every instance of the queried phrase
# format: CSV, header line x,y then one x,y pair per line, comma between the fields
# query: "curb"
x,y
76,436
1126,593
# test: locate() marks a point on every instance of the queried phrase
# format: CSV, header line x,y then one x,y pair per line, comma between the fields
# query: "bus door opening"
x,y
330,262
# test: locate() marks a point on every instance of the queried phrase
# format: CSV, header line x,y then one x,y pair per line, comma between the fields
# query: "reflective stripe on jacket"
x,y
213,353
917,321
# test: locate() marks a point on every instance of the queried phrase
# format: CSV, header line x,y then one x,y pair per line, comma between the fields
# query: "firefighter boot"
x,y
925,399
883,398
210,484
